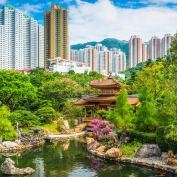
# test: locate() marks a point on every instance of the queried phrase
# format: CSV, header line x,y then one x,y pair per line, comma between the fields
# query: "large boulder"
x,y
148,150
113,153
8,168
9,144
80,128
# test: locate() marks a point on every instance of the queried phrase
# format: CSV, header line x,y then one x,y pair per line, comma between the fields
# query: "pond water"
x,y
70,159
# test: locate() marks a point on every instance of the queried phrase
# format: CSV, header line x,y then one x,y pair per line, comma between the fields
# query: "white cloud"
x,y
94,22
30,8
2,2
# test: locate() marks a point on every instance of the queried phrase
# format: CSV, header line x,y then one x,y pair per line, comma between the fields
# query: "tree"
x,y
153,78
7,131
46,114
124,110
145,118
24,118
59,90
14,87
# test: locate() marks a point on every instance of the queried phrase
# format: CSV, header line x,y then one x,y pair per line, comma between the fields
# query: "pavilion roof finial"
x,y
110,75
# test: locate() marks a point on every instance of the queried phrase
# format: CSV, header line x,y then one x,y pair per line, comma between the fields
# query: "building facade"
x,y
154,48
100,59
56,37
19,40
137,51
166,43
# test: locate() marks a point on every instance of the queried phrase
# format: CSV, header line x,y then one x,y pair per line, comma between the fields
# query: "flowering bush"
x,y
103,130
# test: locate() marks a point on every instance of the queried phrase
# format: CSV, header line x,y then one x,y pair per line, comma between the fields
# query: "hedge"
x,y
144,138
160,138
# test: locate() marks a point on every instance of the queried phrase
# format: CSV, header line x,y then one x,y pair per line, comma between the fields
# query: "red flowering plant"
x,y
103,130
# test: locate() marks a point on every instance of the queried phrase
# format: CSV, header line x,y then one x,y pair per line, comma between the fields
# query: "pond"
x,y
70,159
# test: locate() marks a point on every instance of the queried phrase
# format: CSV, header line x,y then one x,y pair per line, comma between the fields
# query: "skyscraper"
x,y
55,33
137,51
154,48
166,43
19,40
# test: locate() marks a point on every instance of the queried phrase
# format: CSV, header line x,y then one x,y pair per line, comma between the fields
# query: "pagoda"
x,y
106,98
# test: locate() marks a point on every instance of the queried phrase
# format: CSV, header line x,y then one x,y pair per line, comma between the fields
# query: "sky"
x,y
95,20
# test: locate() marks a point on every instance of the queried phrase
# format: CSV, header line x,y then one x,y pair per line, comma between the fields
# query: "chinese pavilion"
x,y
106,98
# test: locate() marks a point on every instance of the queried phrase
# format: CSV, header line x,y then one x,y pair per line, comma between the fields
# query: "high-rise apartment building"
x,y
166,43
154,48
137,51
100,59
19,40
55,33
118,60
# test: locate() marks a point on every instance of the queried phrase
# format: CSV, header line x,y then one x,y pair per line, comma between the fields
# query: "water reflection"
x,y
70,159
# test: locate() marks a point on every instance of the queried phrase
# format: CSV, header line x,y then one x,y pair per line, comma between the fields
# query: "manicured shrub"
x,y
171,137
161,139
24,118
46,114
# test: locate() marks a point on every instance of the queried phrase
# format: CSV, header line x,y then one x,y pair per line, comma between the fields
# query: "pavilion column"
x,y
85,113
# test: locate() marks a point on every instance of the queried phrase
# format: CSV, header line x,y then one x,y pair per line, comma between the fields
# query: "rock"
x,y
9,144
89,140
170,154
18,142
80,128
77,130
164,155
47,132
65,127
171,161
8,168
91,134
101,149
148,150
91,144
114,153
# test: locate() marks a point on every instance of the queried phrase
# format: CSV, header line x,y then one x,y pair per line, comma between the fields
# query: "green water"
x,y
70,159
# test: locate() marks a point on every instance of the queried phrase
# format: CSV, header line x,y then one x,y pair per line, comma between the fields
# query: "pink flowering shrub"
x,y
103,130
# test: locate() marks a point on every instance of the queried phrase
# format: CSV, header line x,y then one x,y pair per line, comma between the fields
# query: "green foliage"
x,y
124,111
59,90
171,137
142,137
71,112
14,87
24,118
4,112
145,118
128,149
46,114
7,131
160,138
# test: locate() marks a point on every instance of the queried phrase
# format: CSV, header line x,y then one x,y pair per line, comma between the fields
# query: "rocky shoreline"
x,y
20,147
158,163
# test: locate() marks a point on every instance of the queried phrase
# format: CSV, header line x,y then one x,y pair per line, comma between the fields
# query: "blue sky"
x,y
94,20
